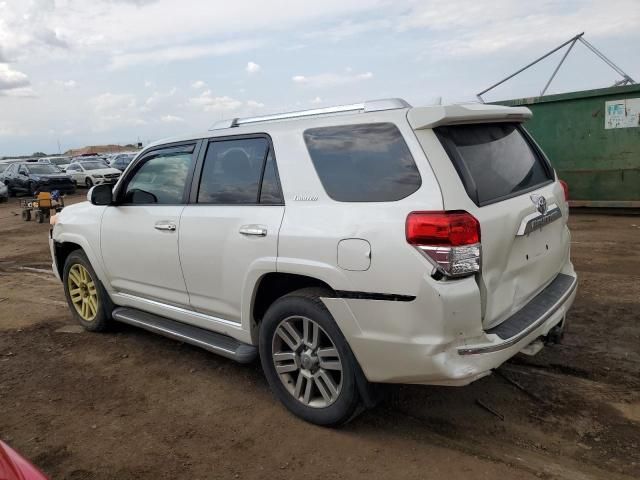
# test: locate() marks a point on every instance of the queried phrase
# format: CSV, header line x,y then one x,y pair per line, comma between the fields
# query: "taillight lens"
x,y
565,187
450,240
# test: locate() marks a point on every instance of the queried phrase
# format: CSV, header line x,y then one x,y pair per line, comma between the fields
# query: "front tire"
x,y
88,301
307,361
88,182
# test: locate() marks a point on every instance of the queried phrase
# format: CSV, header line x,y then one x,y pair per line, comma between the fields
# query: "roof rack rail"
x,y
368,106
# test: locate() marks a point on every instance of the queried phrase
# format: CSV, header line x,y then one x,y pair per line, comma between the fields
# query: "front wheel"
x,y
88,182
89,302
307,361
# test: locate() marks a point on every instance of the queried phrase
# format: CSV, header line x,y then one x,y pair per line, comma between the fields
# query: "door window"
x,y
270,192
161,178
236,172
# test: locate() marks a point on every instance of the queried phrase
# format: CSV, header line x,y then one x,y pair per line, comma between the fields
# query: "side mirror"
x,y
100,195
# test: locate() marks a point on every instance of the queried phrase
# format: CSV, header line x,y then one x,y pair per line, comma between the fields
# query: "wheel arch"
x,y
69,243
274,285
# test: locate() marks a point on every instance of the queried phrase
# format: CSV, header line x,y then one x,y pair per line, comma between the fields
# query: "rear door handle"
x,y
167,226
255,230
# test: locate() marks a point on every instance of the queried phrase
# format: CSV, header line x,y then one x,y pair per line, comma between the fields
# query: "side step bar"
x,y
211,341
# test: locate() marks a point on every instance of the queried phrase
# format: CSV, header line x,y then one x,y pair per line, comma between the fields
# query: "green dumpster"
x,y
592,138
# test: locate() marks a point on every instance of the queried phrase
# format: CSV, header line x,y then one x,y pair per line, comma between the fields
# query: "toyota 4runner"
x,y
346,246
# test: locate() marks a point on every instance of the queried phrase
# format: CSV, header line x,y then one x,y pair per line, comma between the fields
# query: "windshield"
x,y
97,165
60,161
42,169
3,167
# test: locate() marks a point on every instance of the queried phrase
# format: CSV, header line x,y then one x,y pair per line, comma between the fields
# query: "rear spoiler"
x,y
435,116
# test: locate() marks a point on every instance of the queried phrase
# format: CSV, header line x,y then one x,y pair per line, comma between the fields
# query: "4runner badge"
x,y
540,202
306,198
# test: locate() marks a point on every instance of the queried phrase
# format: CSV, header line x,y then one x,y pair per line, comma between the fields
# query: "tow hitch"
x,y
556,334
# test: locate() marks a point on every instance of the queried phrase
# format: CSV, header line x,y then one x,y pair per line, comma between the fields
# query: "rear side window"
x,y
239,172
494,161
363,163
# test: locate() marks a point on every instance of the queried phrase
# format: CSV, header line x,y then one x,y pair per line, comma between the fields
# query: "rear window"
x,y
494,161
363,163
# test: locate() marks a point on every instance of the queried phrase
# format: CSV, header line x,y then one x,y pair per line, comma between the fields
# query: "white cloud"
x,y
180,53
252,68
69,84
323,80
210,103
316,101
254,104
486,27
158,98
198,84
171,119
348,28
113,110
11,79
108,102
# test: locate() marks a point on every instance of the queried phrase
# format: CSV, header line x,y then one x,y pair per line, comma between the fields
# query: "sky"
x,y
80,72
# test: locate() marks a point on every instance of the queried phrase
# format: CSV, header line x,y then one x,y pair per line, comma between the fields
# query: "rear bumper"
x,y
525,321
445,347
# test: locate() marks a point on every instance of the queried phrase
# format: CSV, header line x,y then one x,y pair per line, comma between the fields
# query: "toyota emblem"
x,y
540,202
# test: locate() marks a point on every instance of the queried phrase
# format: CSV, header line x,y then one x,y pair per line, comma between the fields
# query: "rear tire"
x,y
26,215
307,361
88,300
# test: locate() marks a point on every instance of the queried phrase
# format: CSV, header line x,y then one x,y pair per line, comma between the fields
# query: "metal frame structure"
x,y
626,79
368,106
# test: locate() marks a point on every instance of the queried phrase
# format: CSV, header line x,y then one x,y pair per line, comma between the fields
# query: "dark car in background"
x,y
4,192
122,160
30,178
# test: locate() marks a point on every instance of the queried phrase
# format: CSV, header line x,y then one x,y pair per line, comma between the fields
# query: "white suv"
x,y
348,246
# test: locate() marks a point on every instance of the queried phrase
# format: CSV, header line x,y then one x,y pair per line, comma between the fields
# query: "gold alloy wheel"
x,y
83,293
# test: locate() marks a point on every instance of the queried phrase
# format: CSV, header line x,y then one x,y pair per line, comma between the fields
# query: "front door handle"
x,y
255,230
167,226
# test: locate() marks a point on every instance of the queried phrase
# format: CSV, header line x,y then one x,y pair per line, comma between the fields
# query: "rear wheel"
x,y
87,298
307,361
39,216
26,215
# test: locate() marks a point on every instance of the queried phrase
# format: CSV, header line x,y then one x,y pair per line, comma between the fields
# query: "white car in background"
x,y
92,172
61,162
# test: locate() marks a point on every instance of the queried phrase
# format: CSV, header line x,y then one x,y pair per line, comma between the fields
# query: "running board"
x,y
211,341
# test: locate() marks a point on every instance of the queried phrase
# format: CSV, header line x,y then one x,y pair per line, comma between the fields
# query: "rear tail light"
x,y
565,187
449,240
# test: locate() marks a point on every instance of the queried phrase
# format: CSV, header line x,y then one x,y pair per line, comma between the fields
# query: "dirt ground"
x,y
132,405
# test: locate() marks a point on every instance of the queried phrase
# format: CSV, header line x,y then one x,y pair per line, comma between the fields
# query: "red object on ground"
x,y
15,467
